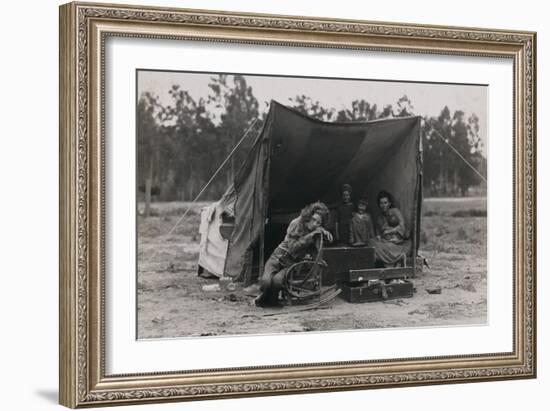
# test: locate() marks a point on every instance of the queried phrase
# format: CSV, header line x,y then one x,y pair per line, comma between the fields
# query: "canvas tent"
x,y
297,160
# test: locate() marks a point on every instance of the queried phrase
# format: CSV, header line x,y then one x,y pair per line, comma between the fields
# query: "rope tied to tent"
x,y
458,153
206,185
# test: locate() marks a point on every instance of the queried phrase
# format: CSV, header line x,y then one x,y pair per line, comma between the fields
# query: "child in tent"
x,y
344,216
361,228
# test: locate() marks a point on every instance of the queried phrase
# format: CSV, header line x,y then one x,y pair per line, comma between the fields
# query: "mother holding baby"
x,y
390,245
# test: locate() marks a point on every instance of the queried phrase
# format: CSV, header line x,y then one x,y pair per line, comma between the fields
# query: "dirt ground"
x,y
172,303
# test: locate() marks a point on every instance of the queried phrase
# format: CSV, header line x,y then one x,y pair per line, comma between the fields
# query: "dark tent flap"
x,y
250,202
311,160
297,160
398,171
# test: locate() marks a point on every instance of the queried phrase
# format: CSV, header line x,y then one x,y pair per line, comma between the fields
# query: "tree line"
x,y
182,144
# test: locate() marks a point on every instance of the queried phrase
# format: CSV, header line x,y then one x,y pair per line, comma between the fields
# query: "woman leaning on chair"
x,y
300,241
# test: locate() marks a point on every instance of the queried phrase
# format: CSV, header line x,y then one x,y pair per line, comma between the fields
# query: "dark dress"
x,y
361,229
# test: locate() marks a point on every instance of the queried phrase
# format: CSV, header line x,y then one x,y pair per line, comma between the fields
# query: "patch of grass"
x,y
449,206
441,230
423,236
461,234
473,212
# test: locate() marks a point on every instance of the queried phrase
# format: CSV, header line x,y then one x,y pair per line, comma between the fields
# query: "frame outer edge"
x,y
77,387
533,261
68,328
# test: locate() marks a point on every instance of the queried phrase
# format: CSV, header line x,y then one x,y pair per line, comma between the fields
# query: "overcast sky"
x,y
427,98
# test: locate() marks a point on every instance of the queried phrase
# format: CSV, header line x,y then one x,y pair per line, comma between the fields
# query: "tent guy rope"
x,y
458,153
207,184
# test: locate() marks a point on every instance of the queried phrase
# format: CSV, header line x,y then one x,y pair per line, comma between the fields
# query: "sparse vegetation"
x,y
470,213
171,302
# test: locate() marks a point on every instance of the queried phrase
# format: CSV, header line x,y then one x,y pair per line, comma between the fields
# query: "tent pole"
x,y
418,194
415,228
419,199
261,257
261,251
265,206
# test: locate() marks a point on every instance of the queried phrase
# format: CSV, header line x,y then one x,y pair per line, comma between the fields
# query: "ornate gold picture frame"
x,y
84,30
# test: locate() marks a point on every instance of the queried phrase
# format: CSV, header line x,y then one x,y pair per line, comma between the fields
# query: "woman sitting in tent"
x,y
391,245
300,241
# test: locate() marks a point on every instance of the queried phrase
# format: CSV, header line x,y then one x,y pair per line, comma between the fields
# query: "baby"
x,y
361,228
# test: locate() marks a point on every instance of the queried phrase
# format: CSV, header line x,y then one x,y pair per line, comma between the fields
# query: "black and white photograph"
x,y
243,205
284,204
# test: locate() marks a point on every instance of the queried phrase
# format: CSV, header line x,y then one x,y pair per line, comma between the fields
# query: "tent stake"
x,y
265,199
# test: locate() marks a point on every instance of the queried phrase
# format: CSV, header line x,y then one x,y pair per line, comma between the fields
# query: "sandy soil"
x,y
172,302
